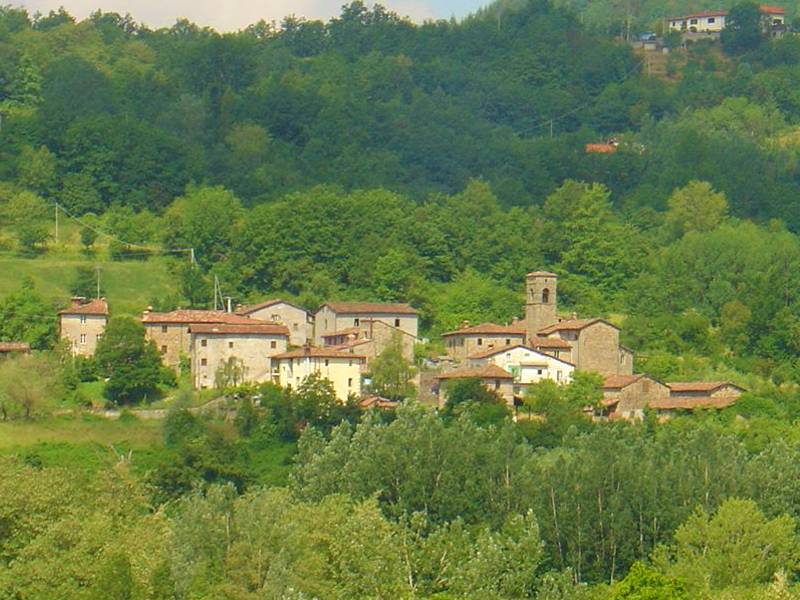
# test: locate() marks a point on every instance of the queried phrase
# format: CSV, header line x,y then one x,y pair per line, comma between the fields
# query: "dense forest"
x,y
373,158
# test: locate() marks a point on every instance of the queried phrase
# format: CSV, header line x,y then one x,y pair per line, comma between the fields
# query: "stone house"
x,y
525,364
626,396
171,333
82,324
553,346
595,345
335,317
341,368
298,320
493,378
212,345
370,338
697,395
468,340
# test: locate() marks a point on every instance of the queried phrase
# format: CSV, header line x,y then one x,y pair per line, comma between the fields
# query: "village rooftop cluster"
x,y
278,341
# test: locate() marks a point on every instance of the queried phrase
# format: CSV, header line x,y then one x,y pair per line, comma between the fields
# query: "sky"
x,y
231,15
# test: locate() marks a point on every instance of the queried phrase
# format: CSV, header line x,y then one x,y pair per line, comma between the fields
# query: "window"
x,y
480,342
275,318
545,296
273,344
350,363
163,349
397,322
326,362
230,344
558,375
356,322
83,338
539,371
295,326
497,384
350,382
203,343
692,21
203,362
711,20
508,342
163,329
83,319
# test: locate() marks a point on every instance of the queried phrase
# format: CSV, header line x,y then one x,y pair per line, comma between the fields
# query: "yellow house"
x,y
341,368
83,324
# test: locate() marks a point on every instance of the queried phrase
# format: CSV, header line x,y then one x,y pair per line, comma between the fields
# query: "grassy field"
x,y
83,442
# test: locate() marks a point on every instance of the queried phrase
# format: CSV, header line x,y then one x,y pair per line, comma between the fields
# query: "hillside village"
x,y
280,342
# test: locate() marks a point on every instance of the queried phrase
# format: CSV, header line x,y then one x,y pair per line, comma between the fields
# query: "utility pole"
x,y
191,255
97,271
551,127
216,291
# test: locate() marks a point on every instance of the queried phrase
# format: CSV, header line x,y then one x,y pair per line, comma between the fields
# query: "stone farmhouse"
x,y
82,324
171,331
525,364
697,395
341,368
468,340
298,320
252,346
333,317
627,396
492,376
370,338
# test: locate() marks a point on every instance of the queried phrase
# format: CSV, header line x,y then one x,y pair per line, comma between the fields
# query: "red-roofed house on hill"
x,y
468,340
696,395
525,364
171,330
244,348
493,377
297,319
370,338
82,324
334,317
627,396
773,21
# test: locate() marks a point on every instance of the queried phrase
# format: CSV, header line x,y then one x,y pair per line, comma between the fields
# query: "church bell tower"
x,y
541,301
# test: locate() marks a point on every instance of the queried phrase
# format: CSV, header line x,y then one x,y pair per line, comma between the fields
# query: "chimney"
x,y
78,301
574,316
464,324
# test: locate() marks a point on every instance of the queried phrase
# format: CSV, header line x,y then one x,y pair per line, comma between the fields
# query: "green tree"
x,y
742,31
78,194
85,282
29,384
36,169
391,373
737,545
695,207
26,317
645,583
131,363
472,398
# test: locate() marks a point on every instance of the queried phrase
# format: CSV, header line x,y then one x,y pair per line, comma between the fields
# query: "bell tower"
x,y
541,290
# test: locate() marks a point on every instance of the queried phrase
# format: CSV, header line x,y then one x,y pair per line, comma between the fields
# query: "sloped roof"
x,y
98,306
685,403
315,352
378,402
341,332
190,317
15,347
541,274
550,342
377,308
489,329
573,325
772,10
251,308
239,328
617,382
679,387
481,372
502,349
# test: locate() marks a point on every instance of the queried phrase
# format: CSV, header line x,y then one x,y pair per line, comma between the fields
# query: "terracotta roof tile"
x,y
239,329
684,403
502,349
573,325
679,387
550,342
489,329
348,331
378,402
98,306
482,372
190,317
251,308
15,347
376,308
772,10
617,382
315,352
